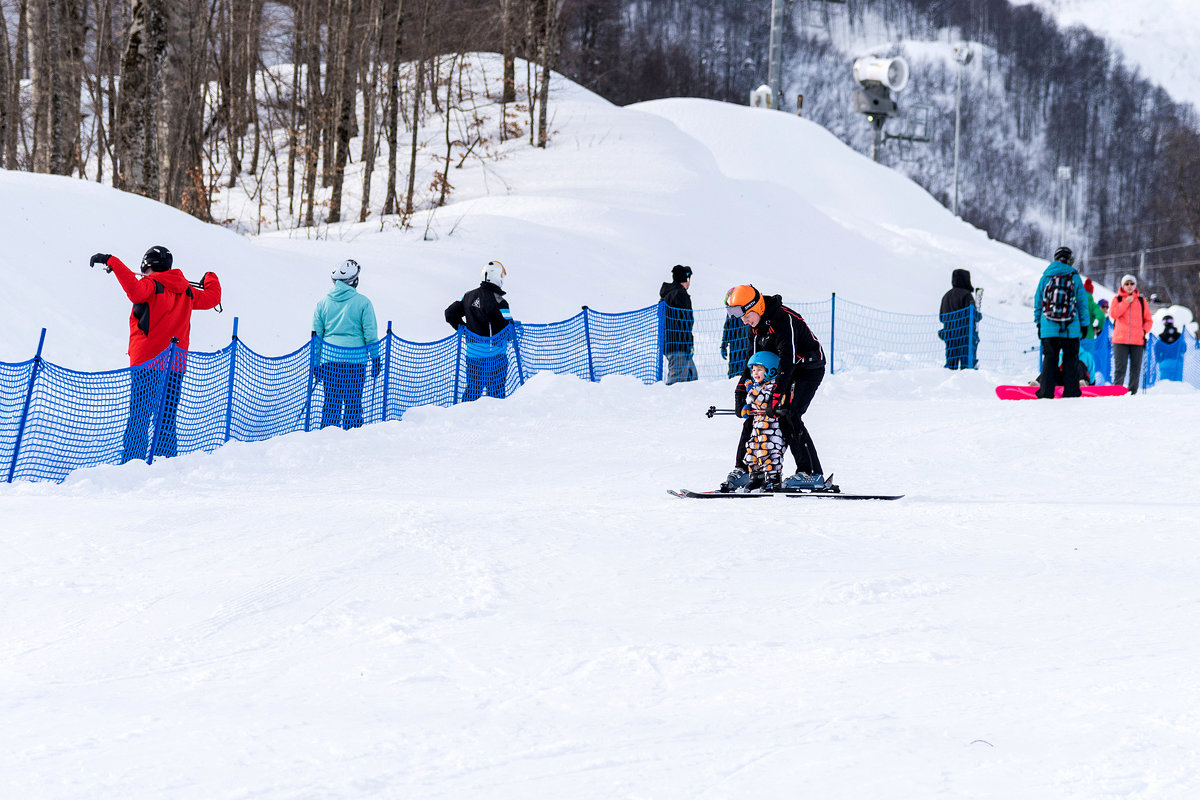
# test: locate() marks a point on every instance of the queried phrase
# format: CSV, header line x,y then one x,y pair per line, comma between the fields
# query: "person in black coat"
x,y
485,313
735,345
958,323
678,343
775,328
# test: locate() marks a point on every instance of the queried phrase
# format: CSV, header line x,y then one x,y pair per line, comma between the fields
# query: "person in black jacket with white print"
x,y
775,328
485,313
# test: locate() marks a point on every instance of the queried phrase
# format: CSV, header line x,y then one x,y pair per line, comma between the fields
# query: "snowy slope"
x,y
500,600
598,219
1159,38
369,615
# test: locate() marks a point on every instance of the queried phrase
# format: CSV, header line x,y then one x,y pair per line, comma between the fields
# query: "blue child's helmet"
x,y
767,360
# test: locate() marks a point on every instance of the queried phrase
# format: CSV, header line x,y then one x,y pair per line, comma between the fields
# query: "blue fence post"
x,y
458,341
312,385
832,329
387,368
33,371
517,352
162,397
587,338
662,332
233,346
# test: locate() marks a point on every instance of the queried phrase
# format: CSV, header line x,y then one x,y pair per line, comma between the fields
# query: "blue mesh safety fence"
x,y
54,420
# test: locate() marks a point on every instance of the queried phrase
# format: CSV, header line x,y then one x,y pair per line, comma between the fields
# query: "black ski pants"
x,y
1051,347
791,425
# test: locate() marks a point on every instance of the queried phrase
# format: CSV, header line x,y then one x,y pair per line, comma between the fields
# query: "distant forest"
x,y
174,99
1035,98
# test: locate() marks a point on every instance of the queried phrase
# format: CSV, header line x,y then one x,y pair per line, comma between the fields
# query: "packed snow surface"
x,y
500,600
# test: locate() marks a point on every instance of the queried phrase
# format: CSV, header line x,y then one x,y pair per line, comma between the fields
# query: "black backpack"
x,y
1058,298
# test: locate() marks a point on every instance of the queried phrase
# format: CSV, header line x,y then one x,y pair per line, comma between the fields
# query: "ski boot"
x,y
813,482
736,481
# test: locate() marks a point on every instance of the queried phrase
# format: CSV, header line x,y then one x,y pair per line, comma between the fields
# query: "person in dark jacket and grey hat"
x,y
959,322
678,343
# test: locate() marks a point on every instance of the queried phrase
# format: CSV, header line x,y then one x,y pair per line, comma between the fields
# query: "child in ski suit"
x,y
765,447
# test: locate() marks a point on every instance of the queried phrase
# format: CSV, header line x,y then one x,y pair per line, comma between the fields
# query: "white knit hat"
x,y
1125,278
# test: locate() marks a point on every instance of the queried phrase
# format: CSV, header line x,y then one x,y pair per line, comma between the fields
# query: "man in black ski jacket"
x,y
678,343
775,328
485,314
959,330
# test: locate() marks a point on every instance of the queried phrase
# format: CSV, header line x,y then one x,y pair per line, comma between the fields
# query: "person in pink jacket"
x,y
1132,320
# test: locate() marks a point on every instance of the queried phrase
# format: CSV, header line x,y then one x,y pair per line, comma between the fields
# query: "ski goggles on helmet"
x,y
740,300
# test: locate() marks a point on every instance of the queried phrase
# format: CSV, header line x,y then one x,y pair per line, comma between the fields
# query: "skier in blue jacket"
x,y
345,338
1060,309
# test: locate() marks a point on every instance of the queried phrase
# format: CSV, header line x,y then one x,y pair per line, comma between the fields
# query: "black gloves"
x,y
375,368
777,406
101,258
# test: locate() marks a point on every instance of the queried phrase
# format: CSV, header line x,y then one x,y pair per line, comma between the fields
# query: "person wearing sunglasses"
x,y
775,328
1132,321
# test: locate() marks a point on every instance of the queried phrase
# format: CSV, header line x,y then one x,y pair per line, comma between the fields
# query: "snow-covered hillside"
x,y
1159,38
740,194
500,600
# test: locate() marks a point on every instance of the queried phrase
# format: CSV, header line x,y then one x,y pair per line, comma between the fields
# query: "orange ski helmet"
x,y
741,300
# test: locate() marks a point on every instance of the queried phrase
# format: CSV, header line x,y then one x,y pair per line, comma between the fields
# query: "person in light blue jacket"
x,y
345,339
1060,310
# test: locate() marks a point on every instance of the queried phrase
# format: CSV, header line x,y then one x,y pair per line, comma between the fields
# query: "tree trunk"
x,y
349,39
370,80
510,62
392,116
6,113
416,126
549,40
137,107
181,105
313,124
418,91
20,64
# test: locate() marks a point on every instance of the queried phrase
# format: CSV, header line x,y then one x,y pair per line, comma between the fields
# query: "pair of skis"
x,y
687,493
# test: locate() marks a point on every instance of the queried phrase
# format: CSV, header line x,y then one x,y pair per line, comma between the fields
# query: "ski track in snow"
x,y
359,614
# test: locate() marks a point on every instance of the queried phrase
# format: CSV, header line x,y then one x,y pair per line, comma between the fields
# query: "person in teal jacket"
x,y
345,338
1060,309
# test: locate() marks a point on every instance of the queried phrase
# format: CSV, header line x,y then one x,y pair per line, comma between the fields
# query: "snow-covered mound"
x,y
597,219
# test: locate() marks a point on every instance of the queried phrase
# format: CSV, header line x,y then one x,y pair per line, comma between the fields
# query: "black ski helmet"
x,y
1064,256
157,259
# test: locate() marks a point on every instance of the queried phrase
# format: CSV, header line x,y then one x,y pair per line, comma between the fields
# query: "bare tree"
x,y
392,111
137,106
369,78
551,29
8,112
423,7
56,61
348,44
20,64
181,105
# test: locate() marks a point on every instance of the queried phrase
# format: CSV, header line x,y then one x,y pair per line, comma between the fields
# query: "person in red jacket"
x,y
1132,320
163,301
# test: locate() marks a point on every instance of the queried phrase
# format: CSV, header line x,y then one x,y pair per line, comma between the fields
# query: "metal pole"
x,y
233,346
775,55
387,368
832,328
587,339
33,373
957,125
